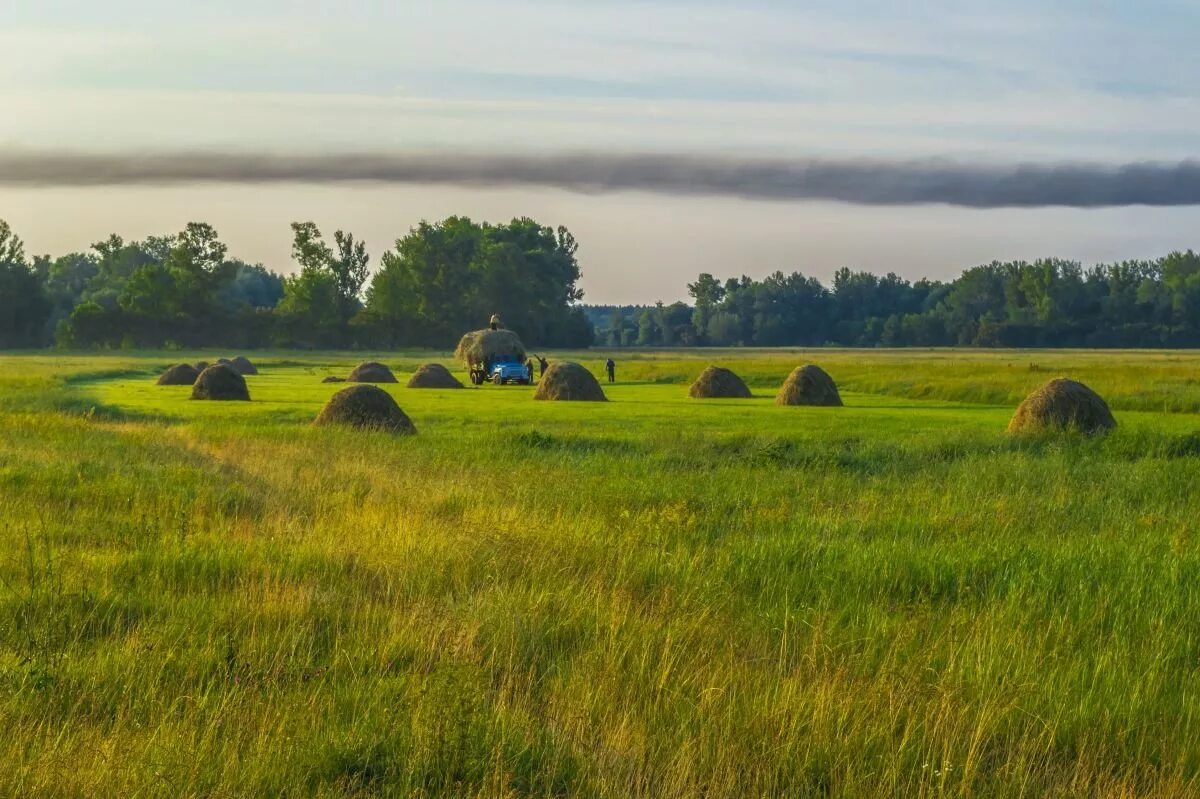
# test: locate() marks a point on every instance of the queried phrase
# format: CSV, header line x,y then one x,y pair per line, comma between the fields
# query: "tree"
x,y
24,306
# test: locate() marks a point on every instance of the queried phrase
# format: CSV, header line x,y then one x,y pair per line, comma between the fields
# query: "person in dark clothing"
x,y
495,323
611,368
541,365
529,369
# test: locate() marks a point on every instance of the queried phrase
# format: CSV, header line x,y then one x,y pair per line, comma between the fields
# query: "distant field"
x,y
656,596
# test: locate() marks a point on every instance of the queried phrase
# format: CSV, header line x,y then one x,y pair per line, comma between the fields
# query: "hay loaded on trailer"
x,y
497,356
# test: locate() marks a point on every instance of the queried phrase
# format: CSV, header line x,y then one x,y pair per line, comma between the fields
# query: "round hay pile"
x,y
1063,404
718,383
243,366
482,346
365,408
433,375
569,381
201,366
809,385
220,382
224,361
181,374
333,379
371,372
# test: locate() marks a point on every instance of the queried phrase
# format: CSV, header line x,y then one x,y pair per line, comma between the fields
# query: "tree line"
x,y
183,290
1044,303
444,278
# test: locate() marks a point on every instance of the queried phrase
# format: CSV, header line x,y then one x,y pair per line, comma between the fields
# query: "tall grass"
x,y
653,597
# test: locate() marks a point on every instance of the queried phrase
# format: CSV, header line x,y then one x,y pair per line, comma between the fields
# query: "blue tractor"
x,y
500,372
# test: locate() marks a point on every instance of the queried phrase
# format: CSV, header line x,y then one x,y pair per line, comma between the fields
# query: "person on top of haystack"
x,y
495,323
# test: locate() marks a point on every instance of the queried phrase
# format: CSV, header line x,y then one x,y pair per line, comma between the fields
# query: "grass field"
x,y
653,597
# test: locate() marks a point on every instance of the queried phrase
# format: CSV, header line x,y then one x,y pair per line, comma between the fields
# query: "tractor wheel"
x,y
497,380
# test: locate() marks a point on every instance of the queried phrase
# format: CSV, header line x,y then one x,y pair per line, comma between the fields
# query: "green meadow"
x,y
650,597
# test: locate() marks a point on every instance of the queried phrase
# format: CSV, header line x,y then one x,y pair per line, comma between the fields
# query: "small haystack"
x,y
224,361
243,366
333,379
220,382
569,381
371,372
718,383
181,374
809,385
1063,404
486,346
433,375
201,366
365,408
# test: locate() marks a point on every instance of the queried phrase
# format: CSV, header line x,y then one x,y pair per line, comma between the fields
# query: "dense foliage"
x,y
184,291
1047,303
444,278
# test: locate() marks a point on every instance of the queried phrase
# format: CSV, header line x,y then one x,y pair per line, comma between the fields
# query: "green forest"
x,y
440,279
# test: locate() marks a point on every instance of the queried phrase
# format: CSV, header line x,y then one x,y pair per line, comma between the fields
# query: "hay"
x,y
484,346
433,375
718,383
365,408
371,372
224,361
201,366
182,374
243,366
809,385
569,381
333,379
1063,404
220,382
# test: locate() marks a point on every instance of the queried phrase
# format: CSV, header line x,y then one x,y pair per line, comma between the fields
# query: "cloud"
x,y
859,181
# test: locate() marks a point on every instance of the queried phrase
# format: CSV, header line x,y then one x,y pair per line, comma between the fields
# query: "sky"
x,y
974,82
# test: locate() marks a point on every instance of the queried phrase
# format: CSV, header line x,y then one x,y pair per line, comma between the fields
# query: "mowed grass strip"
x,y
654,596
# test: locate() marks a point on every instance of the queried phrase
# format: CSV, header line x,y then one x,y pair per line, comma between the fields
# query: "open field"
x,y
655,596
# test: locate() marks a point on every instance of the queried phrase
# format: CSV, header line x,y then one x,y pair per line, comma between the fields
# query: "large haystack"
x,y
181,374
718,383
365,408
243,366
486,346
809,385
433,375
371,372
1063,404
220,382
569,381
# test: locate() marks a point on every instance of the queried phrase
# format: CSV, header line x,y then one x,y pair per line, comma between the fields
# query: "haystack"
x,y
333,379
224,361
433,375
718,383
182,374
809,385
220,382
569,381
1063,404
371,372
201,366
243,366
484,346
365,408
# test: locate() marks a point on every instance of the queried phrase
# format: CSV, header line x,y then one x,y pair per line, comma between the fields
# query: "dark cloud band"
x,y
870,182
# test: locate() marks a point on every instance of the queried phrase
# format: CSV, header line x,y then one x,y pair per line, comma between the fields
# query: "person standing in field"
x,y
611,368
495,323
541,366
529,369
